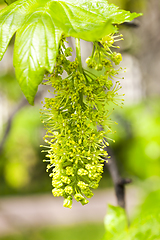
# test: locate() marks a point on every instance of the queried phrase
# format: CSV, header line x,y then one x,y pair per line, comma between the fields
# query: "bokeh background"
x,y
27,208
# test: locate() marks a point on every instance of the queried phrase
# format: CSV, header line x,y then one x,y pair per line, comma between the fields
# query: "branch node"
x,y
123,181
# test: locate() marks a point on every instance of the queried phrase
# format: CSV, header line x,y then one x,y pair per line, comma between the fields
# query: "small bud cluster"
x,y
75,146
103,57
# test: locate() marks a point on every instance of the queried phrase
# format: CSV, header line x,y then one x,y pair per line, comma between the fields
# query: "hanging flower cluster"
x,y
75,145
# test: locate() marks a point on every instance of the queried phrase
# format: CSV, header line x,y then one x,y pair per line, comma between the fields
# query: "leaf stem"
x,y
93,50
90,73
78,55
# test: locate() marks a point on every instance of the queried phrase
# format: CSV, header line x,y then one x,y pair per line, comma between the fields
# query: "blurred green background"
x,y
137,137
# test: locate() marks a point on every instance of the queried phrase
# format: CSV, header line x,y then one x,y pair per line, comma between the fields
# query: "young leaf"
x,y
145,227
115,222
106,10
35,50
39,25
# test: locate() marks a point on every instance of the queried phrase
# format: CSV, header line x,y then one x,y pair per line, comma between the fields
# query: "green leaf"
x,y
8,2
39,25
35,50
106,10
145,227
10,21
115,223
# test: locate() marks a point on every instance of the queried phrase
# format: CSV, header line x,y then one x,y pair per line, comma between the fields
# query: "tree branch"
x,y
118,181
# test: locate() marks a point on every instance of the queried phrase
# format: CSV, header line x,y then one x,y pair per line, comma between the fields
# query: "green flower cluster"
x,y
75,145
103,57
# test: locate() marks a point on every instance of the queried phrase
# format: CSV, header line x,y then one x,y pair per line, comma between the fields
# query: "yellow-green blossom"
x,y
75,145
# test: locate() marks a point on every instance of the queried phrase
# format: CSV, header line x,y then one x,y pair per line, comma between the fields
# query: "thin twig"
x,y
134,24
22,104
9,122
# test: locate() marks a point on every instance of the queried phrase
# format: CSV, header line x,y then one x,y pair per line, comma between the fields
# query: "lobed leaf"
x,y
35,51
106,10
39,25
